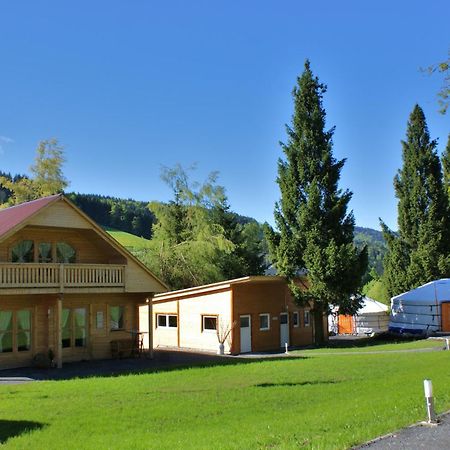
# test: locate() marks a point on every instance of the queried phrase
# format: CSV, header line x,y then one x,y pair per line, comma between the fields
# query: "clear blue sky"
x,y
128,86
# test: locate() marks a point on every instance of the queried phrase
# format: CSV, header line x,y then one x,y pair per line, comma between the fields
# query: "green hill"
x,y
128,240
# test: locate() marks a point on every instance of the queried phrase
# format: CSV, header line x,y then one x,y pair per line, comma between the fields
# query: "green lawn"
x,y
372,345
316,403
127,239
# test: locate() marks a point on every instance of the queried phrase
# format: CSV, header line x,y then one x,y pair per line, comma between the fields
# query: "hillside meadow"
x,y
330,402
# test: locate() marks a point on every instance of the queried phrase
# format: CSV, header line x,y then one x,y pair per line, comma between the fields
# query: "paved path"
x,y
415,438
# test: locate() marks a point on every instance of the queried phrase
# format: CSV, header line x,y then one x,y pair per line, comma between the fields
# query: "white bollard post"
x,y
286,347
447,344
428,388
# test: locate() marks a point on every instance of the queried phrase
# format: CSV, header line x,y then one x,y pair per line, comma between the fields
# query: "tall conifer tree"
x,y
315,232
418,253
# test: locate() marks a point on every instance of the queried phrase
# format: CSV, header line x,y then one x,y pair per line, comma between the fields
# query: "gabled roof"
x,y
12,217
16,217
214,287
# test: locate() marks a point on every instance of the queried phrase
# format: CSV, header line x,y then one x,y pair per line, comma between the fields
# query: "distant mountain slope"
x,y
375,244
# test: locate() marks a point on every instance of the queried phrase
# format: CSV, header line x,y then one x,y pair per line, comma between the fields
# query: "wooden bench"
x,y
123,348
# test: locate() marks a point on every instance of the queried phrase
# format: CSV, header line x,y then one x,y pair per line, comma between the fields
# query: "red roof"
x,y
13,216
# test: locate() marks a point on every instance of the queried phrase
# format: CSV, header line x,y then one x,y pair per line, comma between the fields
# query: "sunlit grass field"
x,y
316,403
127,239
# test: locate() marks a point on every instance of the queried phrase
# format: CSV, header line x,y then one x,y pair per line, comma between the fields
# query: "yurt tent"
x,y
371,318
423,310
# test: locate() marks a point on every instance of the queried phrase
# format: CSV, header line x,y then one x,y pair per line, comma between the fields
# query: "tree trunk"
x,y
318,314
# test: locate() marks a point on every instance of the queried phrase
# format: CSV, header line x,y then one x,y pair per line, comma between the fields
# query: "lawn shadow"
x,y
164,361
344,342
300,383
13,428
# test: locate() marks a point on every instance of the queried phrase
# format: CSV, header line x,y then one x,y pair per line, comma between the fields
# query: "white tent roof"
x,y
438,290
371,306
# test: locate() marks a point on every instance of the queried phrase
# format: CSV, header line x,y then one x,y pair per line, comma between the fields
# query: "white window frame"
x,y
307,314
209,316
268,322
296,315
167,315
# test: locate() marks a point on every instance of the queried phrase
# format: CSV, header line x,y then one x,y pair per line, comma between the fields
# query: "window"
x,y
209,323
45,252
65,253
23,252
295,319
306,318
15,331
166,321
264,322
73,327
116,317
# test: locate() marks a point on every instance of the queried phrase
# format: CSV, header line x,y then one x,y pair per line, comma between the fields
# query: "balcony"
x,y
61,276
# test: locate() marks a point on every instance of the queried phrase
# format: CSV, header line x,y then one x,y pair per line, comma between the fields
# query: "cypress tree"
x,y
418,253
315,232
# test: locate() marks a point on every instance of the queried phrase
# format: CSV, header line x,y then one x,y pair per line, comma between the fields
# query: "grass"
x,y
128,240
314,403
372,345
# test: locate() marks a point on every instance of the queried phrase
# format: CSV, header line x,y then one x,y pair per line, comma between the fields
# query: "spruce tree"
x,y
418,253
315,232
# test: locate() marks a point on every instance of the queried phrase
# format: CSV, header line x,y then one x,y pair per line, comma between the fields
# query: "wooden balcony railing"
x,y
33,275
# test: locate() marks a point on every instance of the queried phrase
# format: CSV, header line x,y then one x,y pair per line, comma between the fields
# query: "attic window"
x,y
23,252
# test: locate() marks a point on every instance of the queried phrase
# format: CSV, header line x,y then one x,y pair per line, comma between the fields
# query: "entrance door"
x,y
246,334
345,324
445,312
284,329
143,325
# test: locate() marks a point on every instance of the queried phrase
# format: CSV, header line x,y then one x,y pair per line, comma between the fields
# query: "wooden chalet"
x,y
67,288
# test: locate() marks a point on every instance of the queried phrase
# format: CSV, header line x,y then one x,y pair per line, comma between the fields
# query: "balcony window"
x,y
45,252
23,252
65,253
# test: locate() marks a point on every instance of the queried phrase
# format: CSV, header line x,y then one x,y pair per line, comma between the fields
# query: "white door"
x,y
143,325
284,329
246,334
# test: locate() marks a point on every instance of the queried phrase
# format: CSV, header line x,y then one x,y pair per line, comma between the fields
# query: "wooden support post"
x,y
58,345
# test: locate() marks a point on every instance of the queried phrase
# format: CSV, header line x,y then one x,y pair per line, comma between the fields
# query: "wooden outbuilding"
x,y
257,312
67,288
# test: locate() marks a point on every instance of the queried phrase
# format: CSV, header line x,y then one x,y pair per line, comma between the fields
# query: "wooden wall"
x,y
87,250
44,324
273,298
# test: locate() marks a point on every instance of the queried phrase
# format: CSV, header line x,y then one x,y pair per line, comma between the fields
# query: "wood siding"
x,y
44,325
268,298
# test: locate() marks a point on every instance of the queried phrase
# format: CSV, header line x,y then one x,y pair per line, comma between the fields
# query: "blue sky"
x,y
128,87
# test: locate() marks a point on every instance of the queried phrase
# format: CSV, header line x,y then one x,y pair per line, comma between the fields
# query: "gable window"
x,y
23,252
295,319
45,252
209,323
264,322
116,318
15,331
65,253
306,318
74,327
167,320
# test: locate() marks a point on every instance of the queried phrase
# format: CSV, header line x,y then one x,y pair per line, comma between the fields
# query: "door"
x,y
246,334
143,325
345,324
445,312
284,329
